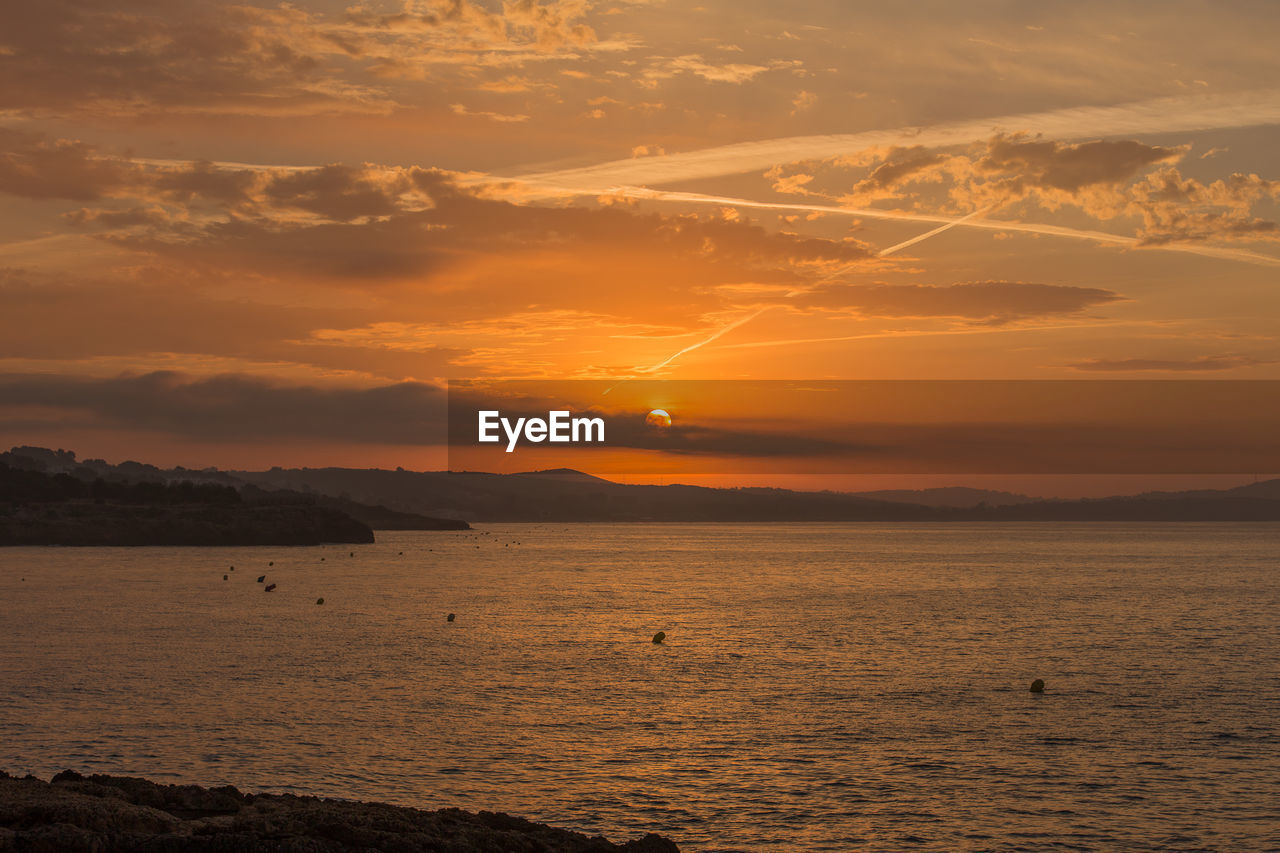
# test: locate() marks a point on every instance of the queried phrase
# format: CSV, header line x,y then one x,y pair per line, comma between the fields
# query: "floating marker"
x,y
659,637
319,601
270,587
449,618
1037,686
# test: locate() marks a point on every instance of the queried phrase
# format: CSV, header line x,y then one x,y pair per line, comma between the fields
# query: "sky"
x,y
246,235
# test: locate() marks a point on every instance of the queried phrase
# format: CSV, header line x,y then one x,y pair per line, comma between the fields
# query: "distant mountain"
x,y
477,496
1263,489
950,496
568,475
565,495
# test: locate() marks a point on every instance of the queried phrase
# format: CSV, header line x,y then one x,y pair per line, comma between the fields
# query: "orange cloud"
x,y
67,56
990,302
35,167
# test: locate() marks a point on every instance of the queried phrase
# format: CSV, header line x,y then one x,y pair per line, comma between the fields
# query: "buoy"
x,y
1037,686
353,553
402,553
224,577
261,578
659,637
233,568
270,587
319,601
449,618
271,562
322,559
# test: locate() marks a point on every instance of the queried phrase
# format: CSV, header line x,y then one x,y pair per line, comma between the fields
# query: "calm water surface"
x,y
822,687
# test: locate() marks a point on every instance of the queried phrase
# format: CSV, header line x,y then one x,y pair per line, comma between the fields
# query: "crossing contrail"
x,y
723,330
747,319
702,343
929,333
967,221
926,235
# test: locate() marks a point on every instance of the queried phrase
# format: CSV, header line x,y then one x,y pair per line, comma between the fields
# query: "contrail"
x,y
627,177
702,343
644,193
926,235
927,333
723,330
947,224
1164,115
743,321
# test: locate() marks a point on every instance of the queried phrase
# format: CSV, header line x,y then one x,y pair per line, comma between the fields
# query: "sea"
x,y
821,687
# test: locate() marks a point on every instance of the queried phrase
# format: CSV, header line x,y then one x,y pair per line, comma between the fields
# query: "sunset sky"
x,y
245,235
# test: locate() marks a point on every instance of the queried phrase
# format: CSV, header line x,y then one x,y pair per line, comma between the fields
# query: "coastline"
x,y
117,813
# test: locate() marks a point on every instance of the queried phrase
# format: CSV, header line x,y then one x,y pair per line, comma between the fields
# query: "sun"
x,y
658,418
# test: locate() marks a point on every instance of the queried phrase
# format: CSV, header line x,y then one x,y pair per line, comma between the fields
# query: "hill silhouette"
x,y
439,499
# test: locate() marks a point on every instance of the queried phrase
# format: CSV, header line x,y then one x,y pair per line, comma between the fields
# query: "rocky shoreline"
x,y
87,524
105,814
81,507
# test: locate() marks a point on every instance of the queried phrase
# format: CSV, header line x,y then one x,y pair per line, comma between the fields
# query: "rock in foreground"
x,y
104,814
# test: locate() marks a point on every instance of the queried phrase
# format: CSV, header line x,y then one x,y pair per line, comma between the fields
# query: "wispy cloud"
x,y
463,110
730,72
1203,364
